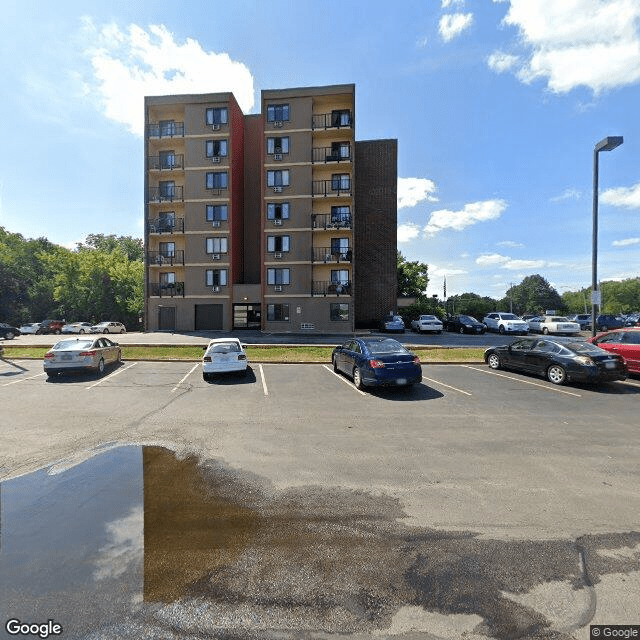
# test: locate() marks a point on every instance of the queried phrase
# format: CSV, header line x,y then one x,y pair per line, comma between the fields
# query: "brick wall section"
x,y
375,229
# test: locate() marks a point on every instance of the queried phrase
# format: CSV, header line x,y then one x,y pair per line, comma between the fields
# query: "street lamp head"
x,y
609,143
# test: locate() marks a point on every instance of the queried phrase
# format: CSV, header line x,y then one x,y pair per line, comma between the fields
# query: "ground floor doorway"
x,y
246,316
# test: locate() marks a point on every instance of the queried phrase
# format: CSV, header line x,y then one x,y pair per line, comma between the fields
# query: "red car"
x,y
624,342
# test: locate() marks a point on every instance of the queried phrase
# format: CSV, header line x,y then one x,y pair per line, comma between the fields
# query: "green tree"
x,y
533,295
132,247
471,304
412,278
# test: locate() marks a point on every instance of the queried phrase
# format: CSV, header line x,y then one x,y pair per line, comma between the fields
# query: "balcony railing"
x,y
331,254
165,194
333,187
166,289
166,163
165,130
331,221
165,258
328,288
166,225
334,120
331,154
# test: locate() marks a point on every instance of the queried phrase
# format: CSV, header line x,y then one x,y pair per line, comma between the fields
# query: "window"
x,y
340,150
216,115
166,220
168,278
277,112
277,211
278,276
167,189
277,145
216,277
340,182
217,212
216,148
167,159
339,311
278,178
340,246
168,128
340,118
217,245
340,276
216,180
340,214
277,243
278,312
168,249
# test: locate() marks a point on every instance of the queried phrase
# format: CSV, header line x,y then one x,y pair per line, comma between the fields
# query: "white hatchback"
x,y
224,355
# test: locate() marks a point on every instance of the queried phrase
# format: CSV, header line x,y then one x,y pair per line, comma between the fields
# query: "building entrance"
x,y
246,316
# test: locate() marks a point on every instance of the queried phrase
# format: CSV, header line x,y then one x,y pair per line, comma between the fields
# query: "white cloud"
x,y
125,546
422,42
469,215
627,242
408,231
488,259
515,265
627,197
411,191
567,194
134,63
510,243
501,62
452,3
591,43
505,262
453,24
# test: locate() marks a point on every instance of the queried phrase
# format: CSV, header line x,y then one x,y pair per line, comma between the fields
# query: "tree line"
x,y
101,279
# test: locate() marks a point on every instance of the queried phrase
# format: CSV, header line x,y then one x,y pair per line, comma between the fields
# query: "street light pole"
x,y
607,144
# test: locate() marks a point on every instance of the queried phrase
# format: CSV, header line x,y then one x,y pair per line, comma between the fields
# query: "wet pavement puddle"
x,y
136,542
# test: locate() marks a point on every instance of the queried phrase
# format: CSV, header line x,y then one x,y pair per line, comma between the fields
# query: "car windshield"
x,y
386,346
468,319
509,316
72,344
225,347
397,319
429,318
559,319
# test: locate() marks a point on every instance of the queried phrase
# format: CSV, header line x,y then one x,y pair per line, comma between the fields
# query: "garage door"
x,y
208,317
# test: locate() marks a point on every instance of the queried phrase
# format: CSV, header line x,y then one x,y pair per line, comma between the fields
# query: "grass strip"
x,y
298,353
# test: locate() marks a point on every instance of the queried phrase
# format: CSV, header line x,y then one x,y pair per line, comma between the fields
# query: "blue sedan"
x,y
373,362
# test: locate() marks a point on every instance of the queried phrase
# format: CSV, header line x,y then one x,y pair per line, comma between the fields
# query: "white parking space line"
x,y
195,366
337,375
264,380
534,384
442,384
631,383
22,380
111,375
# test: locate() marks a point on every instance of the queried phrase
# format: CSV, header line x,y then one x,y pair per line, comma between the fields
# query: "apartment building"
x,y
278,221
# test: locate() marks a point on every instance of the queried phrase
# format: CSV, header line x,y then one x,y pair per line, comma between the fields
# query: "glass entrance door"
x,y
246,316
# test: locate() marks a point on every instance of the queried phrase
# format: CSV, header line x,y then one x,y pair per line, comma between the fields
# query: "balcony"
x,y
166,225
339,119
331,188
165,130
331,221
328,288
331,254
165,163
331,154
166,289
165,194
165,258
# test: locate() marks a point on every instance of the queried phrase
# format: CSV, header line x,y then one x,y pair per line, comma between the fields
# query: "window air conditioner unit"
x,y
278,123
277,254
278,222
216,256
216,223
278,287
277,189
215,127
277,156
215,289
215,159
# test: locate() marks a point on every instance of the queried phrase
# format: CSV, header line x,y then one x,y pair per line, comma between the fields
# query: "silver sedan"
x,y
81,355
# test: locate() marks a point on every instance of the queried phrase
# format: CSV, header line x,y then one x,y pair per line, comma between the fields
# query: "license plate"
x,y
610,365
401,381
67,356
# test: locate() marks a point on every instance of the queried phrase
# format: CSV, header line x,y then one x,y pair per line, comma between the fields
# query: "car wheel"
x,y
57,332
545,331
105,330
501,330
556,374
8,335
335,364
357,378
100,369
494,361
206,377
81,331
52,374
604,327
461,329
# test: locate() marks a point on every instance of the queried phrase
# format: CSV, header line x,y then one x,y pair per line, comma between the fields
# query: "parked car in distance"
x,y
632,320
604,322
108,327
373,362
51,326
427,323
74,355
31,327
558,359
553,324
392,323
505,323
77,327
223,355
583,319
624,342
465,324
8,332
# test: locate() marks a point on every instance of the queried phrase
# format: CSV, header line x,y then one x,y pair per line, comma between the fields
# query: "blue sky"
x,y
496,104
